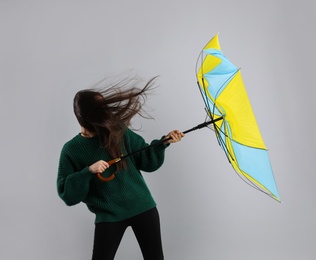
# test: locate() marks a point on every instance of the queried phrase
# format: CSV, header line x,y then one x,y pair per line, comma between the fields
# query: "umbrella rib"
x,y
254,186
216,128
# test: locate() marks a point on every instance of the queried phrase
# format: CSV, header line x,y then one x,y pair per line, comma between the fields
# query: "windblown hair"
x,y
107,112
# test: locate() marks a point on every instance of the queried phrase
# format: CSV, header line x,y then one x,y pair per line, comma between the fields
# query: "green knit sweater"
x,y
126,195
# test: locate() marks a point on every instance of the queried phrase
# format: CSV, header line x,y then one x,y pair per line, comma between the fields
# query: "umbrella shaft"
x,y
164,140
203,125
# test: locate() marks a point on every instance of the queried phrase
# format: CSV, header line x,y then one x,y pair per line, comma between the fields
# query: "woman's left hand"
x,y
174,136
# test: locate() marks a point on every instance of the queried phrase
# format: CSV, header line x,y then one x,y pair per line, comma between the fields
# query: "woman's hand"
x,y
98,167
174,136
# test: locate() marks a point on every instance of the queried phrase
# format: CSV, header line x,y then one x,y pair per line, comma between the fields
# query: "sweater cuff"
x,y
85,171
164,143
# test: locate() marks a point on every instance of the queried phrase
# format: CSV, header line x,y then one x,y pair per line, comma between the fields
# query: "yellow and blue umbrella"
x,y
235,126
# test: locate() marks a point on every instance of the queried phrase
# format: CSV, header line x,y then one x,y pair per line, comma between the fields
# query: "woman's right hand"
x,y
98,167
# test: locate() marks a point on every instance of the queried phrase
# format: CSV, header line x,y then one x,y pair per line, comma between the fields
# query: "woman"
x,y
104,117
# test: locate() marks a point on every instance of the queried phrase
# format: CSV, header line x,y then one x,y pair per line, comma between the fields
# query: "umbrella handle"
x,y
112,176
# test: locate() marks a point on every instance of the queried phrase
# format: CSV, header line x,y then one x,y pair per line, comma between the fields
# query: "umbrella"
x,y
225,96
230,113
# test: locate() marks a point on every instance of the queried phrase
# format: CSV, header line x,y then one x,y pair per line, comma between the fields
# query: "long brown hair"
x,y
108,111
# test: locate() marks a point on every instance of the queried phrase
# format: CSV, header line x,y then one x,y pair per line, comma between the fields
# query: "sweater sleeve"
x,y
72,185
150,159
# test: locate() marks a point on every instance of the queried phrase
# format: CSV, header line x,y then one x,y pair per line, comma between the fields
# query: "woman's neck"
x,y
87,134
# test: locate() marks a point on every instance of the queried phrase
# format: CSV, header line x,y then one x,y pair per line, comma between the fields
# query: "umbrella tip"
x,y
278,200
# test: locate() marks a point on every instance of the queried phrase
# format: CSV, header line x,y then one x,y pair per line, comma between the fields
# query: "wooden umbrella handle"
x,y
112,176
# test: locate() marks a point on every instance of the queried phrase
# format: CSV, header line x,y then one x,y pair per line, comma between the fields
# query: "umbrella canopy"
x,y
225,97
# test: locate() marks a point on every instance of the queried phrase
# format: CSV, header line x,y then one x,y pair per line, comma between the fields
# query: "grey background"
x,y
51,49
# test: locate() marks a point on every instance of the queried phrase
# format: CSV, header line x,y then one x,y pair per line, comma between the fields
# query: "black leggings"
x,y
146,227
